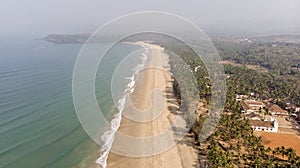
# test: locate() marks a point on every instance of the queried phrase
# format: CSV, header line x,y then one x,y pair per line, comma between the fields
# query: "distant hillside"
x,y
66,38
81,38
75,38
278,38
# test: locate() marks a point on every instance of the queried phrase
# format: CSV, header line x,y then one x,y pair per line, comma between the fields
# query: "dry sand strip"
x,y
274,140
181,155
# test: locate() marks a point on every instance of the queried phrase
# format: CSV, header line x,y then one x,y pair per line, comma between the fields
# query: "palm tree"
x,y
275,152
257,163
282,151
291,154
238,146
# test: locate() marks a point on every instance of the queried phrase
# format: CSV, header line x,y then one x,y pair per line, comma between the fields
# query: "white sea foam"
x,y
108,136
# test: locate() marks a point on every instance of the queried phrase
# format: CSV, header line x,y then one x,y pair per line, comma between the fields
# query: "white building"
x,y
268,126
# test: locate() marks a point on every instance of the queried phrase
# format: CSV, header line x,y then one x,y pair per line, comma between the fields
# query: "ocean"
x,y
38,123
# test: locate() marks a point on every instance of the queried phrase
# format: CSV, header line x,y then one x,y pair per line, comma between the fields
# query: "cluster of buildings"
x,y
254,112
262,114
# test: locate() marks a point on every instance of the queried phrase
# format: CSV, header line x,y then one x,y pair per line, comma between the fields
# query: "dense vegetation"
x,y
279,58
233,144
242,80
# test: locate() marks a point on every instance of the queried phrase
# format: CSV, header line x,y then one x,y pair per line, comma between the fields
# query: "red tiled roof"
x,y
246,104
254,102
275,108
258,123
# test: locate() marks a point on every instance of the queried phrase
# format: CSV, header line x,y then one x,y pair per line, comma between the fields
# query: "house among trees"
x,y
274,109
268,126
240,97
292,107
251,106
298,114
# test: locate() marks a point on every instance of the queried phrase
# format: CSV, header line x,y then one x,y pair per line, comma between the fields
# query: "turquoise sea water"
x,y
38,123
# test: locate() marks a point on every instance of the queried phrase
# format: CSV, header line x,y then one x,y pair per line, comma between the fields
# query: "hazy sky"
x,y
77,16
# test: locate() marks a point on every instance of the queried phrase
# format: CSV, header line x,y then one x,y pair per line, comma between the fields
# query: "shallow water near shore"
x,y
38,123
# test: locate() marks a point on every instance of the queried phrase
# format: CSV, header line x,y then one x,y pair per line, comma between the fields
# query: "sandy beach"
x,y
183,154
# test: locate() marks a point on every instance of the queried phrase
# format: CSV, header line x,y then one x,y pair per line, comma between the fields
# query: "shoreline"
x,y
109,135
182,154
